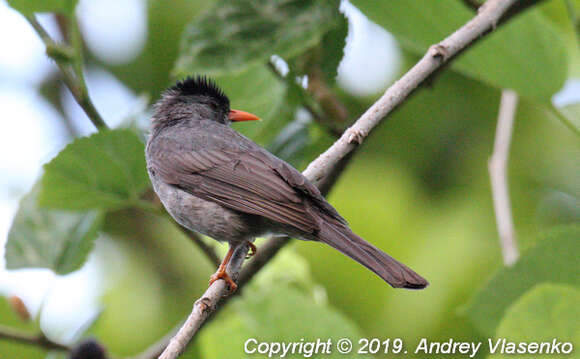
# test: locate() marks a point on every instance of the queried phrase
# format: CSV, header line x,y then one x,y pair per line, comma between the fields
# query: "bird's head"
x,y
196,98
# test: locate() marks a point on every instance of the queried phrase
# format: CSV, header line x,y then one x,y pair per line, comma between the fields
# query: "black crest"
x,y
201,86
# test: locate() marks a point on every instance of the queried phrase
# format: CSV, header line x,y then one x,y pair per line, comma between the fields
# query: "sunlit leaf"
x,y
545,313
105,170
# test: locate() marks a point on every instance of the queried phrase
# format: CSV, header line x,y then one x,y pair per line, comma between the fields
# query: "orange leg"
x,y
221,272
253,250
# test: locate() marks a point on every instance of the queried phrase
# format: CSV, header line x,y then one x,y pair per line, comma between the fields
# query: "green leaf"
x,y
258,91
236,34
545,313
281,314
525,54
28,7
554,259
332,46
47,238
105,171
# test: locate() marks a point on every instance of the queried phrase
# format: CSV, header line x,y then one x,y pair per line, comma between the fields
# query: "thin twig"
x,y
33,339
72,73
498,175
486,20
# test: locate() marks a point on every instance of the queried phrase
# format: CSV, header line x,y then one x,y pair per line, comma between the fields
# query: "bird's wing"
x,y
251,181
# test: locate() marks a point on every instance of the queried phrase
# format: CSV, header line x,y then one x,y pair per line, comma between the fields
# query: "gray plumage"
x,y
215,181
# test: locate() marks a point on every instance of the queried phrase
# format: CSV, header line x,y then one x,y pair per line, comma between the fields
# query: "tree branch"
x,y
487,19
33,339
69,61
204,306
498,175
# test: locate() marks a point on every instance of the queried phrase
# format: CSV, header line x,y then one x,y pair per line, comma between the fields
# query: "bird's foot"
x,y
221,274
253,250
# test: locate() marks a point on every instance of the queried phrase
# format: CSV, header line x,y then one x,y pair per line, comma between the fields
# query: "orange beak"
x,y
237,116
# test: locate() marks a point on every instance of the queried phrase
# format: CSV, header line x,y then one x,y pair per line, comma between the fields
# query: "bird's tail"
x,y
395,273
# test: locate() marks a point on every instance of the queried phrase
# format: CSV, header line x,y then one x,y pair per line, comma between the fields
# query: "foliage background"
x,y
418,188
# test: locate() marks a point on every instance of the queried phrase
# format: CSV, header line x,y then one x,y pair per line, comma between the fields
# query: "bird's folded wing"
x,y
245,181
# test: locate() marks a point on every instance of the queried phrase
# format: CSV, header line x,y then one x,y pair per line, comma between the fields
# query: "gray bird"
x,y
215,181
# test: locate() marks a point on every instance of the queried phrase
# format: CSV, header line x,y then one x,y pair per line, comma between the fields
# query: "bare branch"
x,y
204,306
498,175
486,20
33,339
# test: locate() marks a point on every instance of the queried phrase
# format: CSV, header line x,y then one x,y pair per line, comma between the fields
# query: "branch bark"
x,y
204,306
487,19
498,175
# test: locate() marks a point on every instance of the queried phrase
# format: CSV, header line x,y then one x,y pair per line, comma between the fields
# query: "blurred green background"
x,y
418,188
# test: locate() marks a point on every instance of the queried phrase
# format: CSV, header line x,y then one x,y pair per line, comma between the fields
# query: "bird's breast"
x,y
205,217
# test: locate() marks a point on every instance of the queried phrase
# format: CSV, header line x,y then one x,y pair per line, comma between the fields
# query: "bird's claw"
x,y
223,275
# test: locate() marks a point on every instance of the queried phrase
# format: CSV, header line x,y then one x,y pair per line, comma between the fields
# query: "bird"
x,y
215,181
